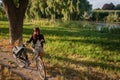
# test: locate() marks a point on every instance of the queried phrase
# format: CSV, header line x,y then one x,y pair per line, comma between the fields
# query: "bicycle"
x,y
20,54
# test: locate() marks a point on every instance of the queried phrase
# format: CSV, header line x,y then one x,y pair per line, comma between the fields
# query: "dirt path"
x,y
29,73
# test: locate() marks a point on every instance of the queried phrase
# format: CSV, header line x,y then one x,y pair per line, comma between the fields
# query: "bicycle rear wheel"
x,y
41,68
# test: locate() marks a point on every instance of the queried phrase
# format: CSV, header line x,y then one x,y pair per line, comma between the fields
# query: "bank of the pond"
x,y
103,27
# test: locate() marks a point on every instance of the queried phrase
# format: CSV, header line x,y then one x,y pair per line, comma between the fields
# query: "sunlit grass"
x,y
76,48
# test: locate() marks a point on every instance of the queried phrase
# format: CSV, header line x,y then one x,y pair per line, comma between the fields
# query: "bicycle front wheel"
x,y
19,62
41,68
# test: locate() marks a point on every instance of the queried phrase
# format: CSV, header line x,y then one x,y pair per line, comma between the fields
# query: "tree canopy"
x,y
57,9
117,7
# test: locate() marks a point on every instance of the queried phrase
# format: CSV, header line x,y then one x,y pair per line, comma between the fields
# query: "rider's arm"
x,y
42,39
30,39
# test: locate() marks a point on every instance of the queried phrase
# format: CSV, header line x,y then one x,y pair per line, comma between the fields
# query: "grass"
x,y
76,51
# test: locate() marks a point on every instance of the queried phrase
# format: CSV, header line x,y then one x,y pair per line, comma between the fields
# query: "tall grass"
x,y
78,49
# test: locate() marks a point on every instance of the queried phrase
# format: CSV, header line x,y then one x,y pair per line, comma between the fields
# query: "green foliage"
x,y
57,9
87,15
112,18
117,7
106,15
3,16
36,10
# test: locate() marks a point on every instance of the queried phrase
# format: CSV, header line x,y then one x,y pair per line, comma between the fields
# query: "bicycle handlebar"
x,y
25,44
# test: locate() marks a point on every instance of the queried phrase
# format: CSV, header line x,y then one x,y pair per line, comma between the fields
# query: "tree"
x,y
117,7
36,9
15,10
58,9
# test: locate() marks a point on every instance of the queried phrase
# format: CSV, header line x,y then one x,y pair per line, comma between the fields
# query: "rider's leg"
x,y
25,54
41,55
41,52
26,57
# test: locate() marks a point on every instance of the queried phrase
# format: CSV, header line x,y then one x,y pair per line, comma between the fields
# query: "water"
x,y
106,27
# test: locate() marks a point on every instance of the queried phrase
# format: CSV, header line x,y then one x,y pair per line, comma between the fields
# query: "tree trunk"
x,y
15,16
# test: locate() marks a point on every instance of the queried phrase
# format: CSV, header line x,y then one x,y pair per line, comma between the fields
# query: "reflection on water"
x,y
6,74
107,27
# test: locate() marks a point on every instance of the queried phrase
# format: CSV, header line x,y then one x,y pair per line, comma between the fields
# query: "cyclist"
x,y
37,38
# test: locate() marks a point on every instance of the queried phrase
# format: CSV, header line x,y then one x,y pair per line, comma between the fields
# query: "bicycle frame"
x,y
20,53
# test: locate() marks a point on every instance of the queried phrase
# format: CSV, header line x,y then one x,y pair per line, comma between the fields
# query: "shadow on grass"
x,y
88,63
74,74
89,36
4,30
111,42
110,45
107,41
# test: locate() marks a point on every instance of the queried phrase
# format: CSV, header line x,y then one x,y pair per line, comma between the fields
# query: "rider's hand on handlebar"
x,y
42,41
26,43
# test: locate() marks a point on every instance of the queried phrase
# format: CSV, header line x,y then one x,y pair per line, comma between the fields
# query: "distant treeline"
x,y
106,15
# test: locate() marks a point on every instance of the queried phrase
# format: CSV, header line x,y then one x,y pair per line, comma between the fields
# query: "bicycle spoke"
x,y
20,63
41,69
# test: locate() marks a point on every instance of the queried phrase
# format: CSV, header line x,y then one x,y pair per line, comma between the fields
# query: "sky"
x,y
100,3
